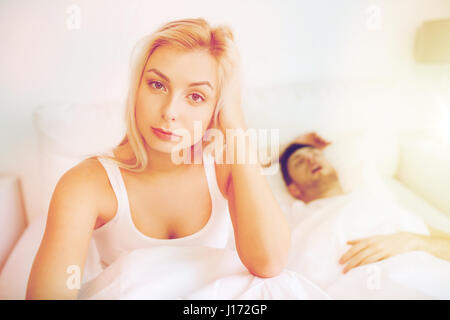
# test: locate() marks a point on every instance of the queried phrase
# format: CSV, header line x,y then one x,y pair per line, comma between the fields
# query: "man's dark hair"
x,y
285,157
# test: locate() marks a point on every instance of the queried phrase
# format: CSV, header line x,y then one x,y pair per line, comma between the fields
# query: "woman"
x,y
187,73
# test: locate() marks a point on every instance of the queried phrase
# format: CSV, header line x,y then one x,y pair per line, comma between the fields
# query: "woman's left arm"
x,y
261,230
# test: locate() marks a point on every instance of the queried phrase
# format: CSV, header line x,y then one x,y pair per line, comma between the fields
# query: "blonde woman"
x,y
185,73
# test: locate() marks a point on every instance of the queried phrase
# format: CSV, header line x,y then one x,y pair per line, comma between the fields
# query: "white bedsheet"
x,y
412,275
168,272
320,231
322,228
319,234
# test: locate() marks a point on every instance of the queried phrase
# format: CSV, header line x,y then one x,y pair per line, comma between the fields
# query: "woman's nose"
x,y
169,111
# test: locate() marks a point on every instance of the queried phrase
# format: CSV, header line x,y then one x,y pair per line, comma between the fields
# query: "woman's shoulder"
x,y
88,180
87,172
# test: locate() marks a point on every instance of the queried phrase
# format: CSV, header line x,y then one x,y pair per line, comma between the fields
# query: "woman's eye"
x,y
197,98
156,85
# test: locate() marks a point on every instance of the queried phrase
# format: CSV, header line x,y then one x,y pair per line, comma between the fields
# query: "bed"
x,y
360,155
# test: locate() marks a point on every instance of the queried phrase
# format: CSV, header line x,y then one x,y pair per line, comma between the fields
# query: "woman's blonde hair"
x,y
188,34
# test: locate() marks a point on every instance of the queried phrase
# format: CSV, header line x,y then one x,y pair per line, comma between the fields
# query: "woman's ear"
x,y
295,191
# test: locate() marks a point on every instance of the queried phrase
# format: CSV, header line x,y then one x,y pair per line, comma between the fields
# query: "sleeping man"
x,y
326,208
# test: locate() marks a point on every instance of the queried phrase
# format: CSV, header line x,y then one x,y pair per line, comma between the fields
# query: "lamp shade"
x,y
432,45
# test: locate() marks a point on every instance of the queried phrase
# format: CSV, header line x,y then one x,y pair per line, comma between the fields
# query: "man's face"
x,y
308,168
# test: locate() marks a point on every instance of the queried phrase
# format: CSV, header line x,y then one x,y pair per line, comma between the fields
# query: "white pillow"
x,y
80,129
279,188
14,276
69,133
12,215
356,154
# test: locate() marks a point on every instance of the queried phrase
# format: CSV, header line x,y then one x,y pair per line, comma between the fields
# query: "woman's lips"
x,y
165,135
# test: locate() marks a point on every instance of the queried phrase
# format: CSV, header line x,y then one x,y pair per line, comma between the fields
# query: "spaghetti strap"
x,y
208,162
116,181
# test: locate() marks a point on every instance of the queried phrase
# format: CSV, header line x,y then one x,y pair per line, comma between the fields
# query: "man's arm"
x,y
310,138
437,233
437,244
377,248
313,139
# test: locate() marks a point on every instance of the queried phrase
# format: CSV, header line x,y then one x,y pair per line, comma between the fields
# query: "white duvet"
x,y
322,228
168,272
319,234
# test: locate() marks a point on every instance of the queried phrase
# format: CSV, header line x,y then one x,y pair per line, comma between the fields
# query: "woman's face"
x,y
178,88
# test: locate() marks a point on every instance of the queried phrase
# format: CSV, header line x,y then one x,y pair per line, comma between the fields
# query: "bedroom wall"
x,y
47,56
423,167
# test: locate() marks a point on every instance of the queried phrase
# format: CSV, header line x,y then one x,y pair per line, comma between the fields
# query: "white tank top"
x,y
120,235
